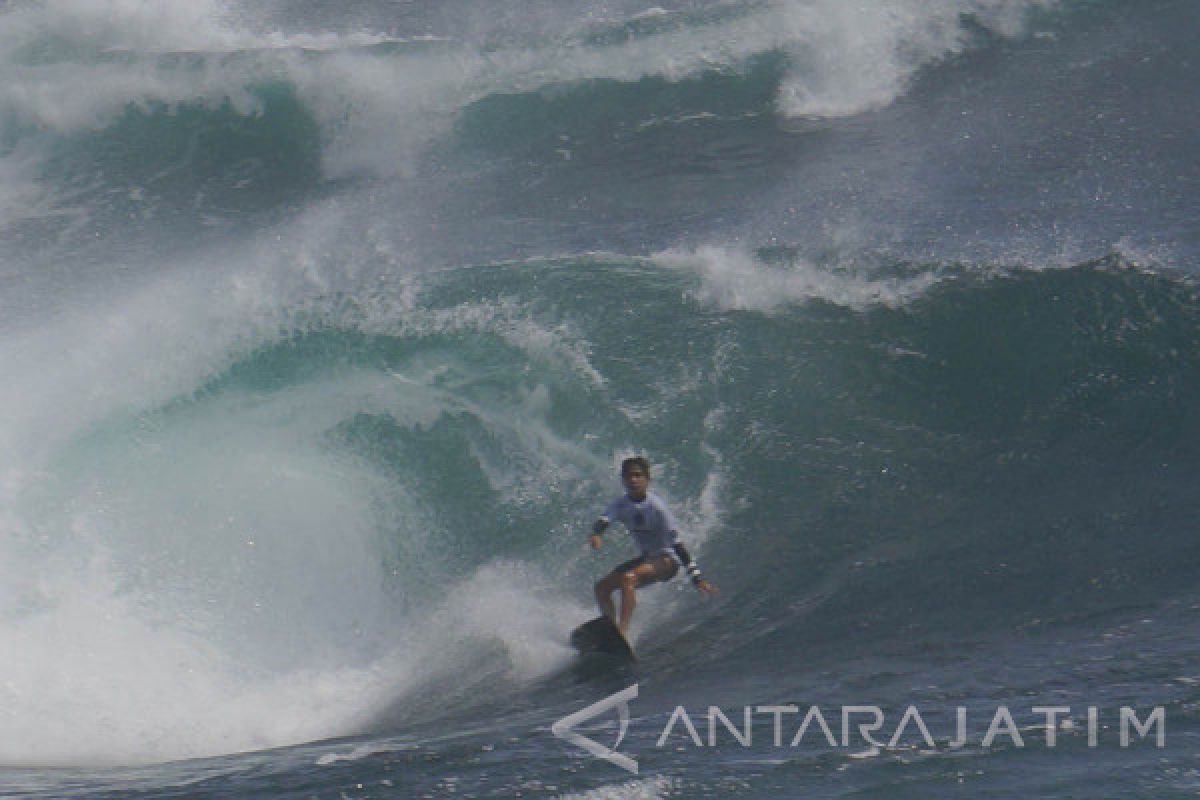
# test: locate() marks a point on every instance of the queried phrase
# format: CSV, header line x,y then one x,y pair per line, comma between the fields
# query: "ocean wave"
x,y
844,60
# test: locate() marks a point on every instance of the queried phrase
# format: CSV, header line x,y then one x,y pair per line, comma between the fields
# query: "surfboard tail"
x,y
601,636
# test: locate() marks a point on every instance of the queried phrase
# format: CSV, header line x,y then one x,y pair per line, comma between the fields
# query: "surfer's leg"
x,y
651,570
610,583
629,584
604,589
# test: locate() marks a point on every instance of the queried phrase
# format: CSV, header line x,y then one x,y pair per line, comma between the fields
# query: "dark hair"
x,y
637,461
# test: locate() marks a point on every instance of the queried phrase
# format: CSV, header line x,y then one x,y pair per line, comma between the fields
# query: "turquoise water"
x,y
324,334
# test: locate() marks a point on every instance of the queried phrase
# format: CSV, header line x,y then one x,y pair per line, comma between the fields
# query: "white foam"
x,y
733,279
652,13
363,751
147,25
852,56
518,605
640,789
89,680
190,575
206,584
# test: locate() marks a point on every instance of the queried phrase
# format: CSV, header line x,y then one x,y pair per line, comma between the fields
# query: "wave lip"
x,y
734,279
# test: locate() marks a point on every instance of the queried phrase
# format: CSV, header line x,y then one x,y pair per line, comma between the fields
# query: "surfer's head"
x,y
635,474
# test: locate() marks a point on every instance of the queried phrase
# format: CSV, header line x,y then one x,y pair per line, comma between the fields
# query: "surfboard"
x,y
601,636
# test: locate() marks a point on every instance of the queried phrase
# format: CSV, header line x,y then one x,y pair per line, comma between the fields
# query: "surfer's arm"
x,y
693,569
598,528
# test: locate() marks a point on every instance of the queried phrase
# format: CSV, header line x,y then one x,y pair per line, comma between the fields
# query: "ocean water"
x,y
325,326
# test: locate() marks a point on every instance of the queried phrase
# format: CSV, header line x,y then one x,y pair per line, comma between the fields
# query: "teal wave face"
x,y
196,161
994,453
592,113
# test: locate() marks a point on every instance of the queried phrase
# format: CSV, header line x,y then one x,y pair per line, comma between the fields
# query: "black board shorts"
x,y
637,562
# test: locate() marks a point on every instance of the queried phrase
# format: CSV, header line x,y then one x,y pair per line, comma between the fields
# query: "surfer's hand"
x,y
704,587
597,542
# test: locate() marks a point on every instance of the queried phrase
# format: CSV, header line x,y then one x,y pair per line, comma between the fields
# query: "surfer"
x,y
652,527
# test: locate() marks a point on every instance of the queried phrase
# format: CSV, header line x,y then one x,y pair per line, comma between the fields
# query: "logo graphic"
x,y
562,728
